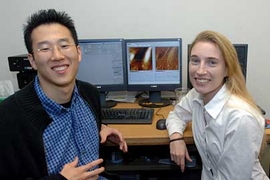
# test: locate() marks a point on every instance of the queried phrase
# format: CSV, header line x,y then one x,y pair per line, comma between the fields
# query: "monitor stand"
x,y
155,100
104,103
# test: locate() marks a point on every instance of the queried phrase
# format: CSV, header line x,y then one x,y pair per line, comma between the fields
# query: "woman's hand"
x,y
179,152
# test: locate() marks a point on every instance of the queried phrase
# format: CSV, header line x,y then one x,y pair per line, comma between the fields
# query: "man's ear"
x,y
32,61
79,53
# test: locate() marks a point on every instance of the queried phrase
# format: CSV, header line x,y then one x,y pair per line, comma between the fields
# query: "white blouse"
x,y
227,132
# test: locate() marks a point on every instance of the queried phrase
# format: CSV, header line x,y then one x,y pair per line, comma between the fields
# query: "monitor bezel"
x,y
243,64
110,87
155,87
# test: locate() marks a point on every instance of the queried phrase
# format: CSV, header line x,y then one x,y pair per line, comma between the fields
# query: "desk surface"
x,y
147,134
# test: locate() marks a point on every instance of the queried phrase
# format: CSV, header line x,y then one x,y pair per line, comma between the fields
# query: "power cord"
x,y
158,114
147,103
139,94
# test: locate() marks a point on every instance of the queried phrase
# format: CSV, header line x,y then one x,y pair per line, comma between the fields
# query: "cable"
x,y
160,114
139,94
147,103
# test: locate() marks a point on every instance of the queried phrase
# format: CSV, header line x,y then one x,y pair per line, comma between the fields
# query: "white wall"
x,y
242,21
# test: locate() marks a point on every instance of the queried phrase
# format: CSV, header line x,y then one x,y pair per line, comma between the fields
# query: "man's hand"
x,y
71,172
114,136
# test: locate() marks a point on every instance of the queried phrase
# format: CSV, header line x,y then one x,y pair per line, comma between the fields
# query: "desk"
x,y
144,140
147,134
267,132
147,141
140,135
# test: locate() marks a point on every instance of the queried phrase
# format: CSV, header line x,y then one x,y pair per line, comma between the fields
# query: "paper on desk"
x,y
122,98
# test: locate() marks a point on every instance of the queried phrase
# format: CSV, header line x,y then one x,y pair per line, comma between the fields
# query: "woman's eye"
x,y
194,61
212,62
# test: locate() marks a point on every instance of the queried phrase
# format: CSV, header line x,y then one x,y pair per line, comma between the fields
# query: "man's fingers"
x,y
74,163
94,173
123,146
114,138
91,164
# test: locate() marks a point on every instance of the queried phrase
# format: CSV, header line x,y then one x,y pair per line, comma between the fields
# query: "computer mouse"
x,y
161,124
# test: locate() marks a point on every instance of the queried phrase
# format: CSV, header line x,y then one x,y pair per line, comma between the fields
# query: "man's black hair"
x,y
48,16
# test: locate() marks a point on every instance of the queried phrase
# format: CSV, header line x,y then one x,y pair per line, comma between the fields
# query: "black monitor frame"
x,y
242,52
154,88
99,70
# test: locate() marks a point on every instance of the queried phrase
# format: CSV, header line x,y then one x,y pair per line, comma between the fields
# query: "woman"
x,y
227,125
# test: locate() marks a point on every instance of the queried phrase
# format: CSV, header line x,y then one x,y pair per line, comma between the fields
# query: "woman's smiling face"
x,y
207,69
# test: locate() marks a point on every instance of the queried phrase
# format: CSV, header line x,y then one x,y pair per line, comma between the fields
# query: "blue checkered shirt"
x,y
72,132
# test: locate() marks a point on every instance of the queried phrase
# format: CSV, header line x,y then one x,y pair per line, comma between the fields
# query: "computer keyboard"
x,y
127,115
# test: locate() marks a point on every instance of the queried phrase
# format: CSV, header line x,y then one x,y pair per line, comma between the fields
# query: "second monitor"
x,y
103,65
154,65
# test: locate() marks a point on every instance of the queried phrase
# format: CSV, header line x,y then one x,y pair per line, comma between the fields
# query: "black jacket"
x,y
22,122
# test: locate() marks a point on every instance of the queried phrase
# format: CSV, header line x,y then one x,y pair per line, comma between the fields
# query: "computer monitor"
x,y
154,65
103,65
242,52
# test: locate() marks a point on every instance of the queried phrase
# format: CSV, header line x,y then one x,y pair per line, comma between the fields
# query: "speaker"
x,y
25,78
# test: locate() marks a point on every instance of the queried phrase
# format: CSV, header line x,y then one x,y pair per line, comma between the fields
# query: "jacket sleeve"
x,y
51,177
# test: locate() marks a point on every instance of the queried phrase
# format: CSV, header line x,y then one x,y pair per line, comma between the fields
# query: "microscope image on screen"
x,y
140,58
154,65
167,58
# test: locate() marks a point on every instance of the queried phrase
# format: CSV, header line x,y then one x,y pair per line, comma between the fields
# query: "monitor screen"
x,y
242,52
154,65
103,65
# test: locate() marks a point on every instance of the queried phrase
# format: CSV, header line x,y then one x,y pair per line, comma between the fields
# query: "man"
x,y
51,129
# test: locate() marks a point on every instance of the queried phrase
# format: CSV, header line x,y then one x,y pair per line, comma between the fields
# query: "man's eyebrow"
x,y
43,43
48,42
64,40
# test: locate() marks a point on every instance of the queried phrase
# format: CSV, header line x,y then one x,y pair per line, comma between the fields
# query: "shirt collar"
x,y
50,105
216,104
